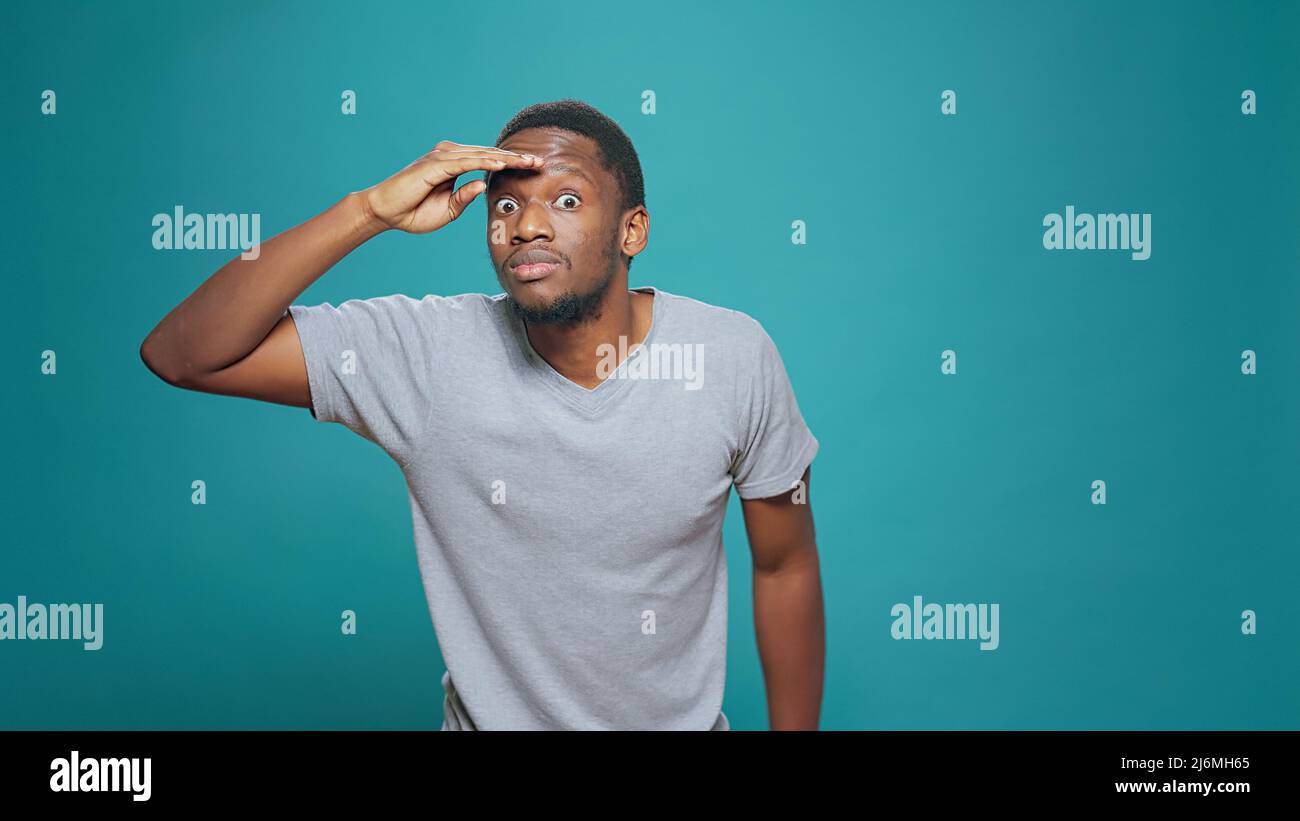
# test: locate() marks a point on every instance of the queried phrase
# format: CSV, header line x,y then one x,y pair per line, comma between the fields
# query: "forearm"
x,y
790,626
234,309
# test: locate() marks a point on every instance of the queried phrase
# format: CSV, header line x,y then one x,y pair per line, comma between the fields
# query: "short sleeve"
x,y
776,445
366,366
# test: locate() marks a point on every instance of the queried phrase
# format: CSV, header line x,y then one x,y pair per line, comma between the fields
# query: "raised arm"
x,y
233,335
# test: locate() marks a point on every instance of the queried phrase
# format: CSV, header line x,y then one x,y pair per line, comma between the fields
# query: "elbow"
x,y
793,558
157,364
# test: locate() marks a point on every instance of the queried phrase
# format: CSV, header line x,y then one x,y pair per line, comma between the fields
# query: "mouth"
x,y
533,271
532,265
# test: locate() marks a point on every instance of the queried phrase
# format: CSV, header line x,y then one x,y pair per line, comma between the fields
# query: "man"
x,y
568,446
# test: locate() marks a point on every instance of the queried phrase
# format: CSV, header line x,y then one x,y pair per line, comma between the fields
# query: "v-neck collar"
x,y
588,400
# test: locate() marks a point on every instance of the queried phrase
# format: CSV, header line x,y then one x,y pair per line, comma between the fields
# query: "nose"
x,y
531,222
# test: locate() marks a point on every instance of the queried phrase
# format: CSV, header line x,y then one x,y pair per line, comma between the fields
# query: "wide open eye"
x,y
567,201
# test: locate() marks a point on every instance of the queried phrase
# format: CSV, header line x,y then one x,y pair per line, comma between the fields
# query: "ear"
x,y
636,231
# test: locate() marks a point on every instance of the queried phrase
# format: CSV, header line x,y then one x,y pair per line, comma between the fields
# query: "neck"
x,y
574,350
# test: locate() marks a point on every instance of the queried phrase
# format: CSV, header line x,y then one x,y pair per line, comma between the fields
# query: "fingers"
x,y
452,148
447,147
503,159
442,167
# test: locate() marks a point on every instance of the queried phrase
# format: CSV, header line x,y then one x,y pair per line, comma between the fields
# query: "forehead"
x,y
568,154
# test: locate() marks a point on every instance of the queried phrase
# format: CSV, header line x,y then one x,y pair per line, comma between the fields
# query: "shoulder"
x,y
431,310
733,333
453,307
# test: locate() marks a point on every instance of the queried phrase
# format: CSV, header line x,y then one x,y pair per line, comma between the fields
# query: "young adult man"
x,y
569,444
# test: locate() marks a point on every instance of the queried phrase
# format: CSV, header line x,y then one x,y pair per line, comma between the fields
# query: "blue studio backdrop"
x,y
1100,441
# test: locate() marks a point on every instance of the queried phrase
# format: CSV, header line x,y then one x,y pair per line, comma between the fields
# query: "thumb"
x,y
465,195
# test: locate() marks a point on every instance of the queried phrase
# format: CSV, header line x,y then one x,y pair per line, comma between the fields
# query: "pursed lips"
x,y
532,265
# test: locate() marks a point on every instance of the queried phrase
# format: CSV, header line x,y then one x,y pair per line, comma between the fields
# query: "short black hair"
x,y
616,151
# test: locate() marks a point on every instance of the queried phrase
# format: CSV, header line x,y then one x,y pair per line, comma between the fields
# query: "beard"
x,y
571,307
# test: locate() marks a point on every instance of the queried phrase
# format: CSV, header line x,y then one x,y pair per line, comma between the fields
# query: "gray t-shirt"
x,y
569,539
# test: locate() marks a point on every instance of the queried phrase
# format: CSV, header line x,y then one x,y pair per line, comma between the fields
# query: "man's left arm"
x,y
788,615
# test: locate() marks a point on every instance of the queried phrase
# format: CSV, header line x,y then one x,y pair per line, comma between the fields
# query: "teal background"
x,y
924,233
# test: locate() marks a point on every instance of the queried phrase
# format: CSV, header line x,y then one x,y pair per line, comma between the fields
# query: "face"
x,y
555,234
